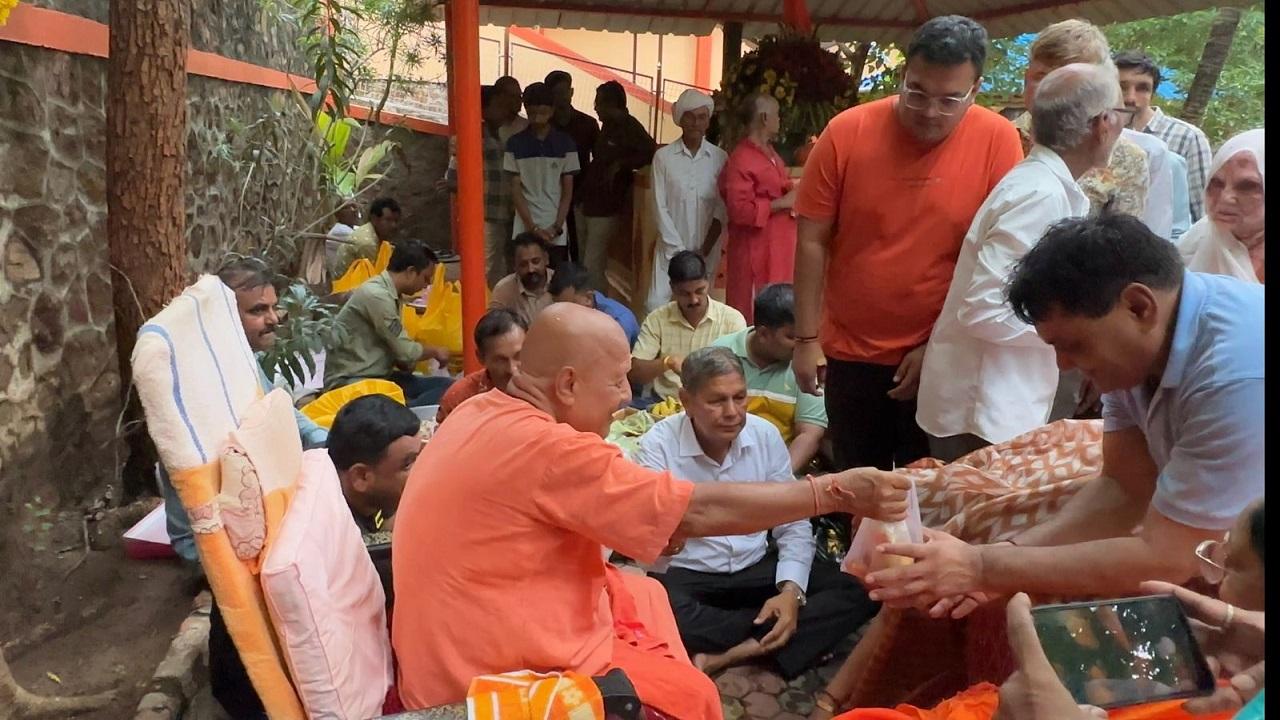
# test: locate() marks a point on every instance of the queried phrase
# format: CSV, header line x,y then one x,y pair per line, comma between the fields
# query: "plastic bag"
x,y
323,409
441,324
361,269
863,558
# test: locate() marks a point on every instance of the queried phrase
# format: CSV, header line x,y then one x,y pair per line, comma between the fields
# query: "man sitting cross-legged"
x,y
377,345
499,336
772,391
734,599
373,443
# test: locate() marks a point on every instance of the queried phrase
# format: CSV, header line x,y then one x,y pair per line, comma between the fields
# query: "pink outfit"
x,y
761,248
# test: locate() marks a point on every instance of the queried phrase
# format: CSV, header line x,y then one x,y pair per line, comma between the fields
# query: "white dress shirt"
x,y
687,200
986,372
1159,214
758,454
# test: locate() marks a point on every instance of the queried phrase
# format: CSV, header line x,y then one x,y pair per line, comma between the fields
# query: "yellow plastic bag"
x,y
361,270
323,409
441,324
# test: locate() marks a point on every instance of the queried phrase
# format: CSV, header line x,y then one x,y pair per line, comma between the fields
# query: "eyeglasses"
x,y
1126,114
947,104
1213,556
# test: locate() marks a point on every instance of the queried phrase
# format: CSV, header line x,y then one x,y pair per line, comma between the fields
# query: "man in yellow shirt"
x,y
691,321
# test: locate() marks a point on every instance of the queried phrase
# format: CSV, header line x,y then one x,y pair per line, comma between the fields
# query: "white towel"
x,y
195,374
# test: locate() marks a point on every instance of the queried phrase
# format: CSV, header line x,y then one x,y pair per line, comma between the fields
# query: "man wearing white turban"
x,y
1229,239
691,213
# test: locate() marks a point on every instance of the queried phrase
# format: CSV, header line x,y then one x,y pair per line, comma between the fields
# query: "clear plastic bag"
x,y
863,558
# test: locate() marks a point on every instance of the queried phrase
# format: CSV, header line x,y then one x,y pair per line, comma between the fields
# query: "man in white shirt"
x,y
1139,80
733,599
691,213
987,375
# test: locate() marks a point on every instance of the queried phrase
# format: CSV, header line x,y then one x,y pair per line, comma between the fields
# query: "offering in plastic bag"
x,y
863,558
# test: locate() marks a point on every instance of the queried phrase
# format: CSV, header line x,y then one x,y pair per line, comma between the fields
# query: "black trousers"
x,y
228,680
866,426
715,612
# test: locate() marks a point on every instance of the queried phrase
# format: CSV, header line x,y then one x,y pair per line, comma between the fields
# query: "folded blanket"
x,y
527,695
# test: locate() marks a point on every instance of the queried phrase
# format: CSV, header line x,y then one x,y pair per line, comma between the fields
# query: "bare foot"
x,y
736,655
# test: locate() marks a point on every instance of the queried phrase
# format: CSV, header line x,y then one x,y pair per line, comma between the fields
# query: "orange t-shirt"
x,y
465,389
900,212
497,547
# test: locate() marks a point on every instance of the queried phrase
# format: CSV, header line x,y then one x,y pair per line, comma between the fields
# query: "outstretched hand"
x,y
944,567
785,607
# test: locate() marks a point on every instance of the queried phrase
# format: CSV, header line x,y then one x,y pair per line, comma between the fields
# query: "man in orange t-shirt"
x,y
887,195
498,544
498,336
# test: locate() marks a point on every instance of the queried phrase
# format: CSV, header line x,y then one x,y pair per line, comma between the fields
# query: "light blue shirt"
x,y
1181,196
758,454
313,436
1204,425
621,314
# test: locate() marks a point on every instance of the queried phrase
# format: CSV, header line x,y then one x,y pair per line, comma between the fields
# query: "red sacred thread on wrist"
x,y
813,486
839,496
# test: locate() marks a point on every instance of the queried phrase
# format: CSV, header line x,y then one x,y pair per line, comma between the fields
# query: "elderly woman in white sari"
x,y
691,213
1229,239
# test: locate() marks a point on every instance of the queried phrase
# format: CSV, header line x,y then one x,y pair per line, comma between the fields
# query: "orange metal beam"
x,y
702,61
584,6
464,68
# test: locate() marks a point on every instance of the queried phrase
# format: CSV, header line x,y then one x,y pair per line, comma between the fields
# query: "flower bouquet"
x,y
811,85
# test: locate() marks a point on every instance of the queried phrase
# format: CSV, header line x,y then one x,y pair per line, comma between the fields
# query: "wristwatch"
x,y
801,598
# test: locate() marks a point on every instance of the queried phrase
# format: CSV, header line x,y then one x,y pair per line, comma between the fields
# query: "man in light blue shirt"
x,y
572,283
251,280
734,599
1178,356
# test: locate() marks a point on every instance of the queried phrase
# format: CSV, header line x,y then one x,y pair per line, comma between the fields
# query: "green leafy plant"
x,y
308,326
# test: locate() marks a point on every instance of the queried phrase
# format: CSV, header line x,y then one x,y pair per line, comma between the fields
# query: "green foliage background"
x,y
1176,42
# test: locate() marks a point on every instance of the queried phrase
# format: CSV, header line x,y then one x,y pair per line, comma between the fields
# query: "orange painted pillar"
x,y
465,121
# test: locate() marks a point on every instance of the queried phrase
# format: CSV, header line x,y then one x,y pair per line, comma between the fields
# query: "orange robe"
x,y
498,564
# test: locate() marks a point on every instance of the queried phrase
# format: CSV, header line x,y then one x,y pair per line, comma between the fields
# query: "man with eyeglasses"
x,y
988,377
1179,356
888,193
1140,177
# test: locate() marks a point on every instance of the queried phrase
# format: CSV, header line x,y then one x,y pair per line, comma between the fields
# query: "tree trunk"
x,y
146,161
146,137
857,58
1221,34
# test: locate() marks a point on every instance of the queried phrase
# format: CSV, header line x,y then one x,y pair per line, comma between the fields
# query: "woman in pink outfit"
x,y
758,195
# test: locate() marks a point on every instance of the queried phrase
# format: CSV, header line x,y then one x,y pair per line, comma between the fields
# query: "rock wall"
x,y
59,381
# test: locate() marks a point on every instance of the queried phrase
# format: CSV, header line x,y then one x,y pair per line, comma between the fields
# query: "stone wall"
x,y
59,381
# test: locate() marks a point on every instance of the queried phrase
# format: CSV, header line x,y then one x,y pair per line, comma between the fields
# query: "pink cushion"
x,y
326,601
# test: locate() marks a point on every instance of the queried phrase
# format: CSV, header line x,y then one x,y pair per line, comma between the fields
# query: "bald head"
x,y
1067,101
574,365
568,334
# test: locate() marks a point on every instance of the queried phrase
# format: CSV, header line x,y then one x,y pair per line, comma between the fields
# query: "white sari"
x,y
1207,246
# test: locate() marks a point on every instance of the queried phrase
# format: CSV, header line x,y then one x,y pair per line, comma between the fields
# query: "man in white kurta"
x,y
690,212
987,375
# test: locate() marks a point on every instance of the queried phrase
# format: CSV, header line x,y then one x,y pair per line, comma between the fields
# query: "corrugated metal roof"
x,y
879,20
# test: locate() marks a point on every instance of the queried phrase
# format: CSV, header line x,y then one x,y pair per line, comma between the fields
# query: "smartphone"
x,y
1117,653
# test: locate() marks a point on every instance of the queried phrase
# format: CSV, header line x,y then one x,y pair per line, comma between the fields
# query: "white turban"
x,y
691,100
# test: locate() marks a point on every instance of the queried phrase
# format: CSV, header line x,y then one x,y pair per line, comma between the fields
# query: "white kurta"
x,y
986,372
687,200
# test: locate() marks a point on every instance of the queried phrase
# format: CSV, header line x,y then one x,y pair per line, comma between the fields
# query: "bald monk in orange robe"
x,y
497,547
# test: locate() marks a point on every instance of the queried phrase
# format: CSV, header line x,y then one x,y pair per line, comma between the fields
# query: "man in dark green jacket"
x,y
376,345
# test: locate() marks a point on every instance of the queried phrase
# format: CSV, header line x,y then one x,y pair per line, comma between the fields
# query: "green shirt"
x,y
376,343
772,392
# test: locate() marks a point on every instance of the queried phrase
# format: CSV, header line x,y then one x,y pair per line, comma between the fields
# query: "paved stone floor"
x,y
756,693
